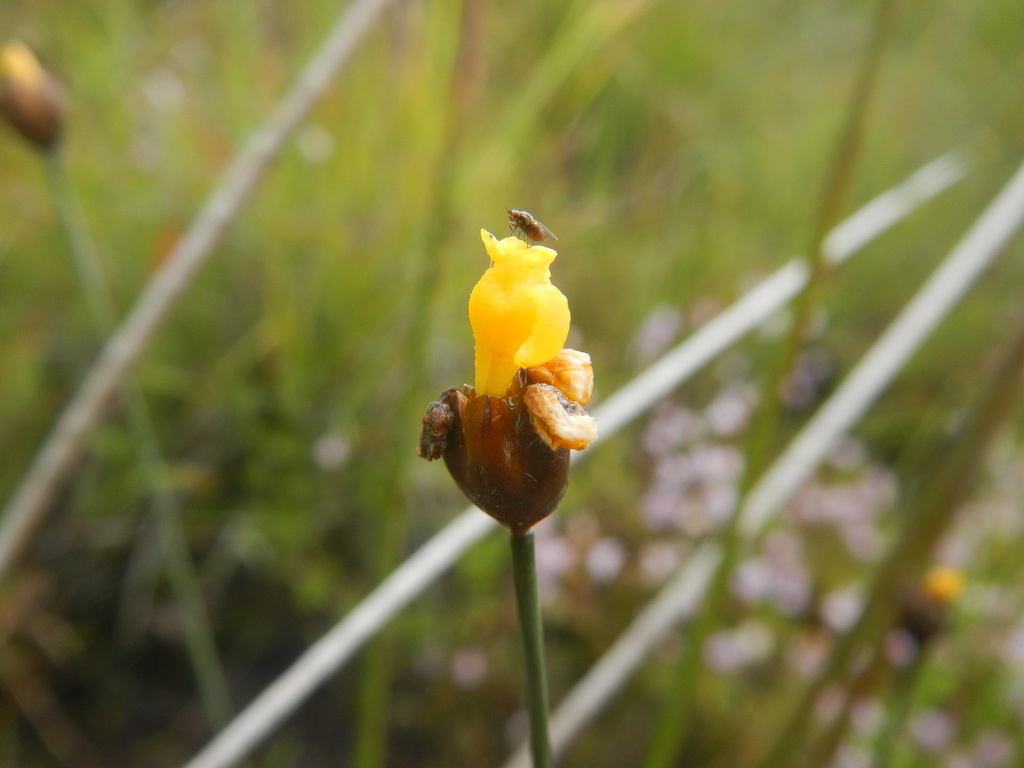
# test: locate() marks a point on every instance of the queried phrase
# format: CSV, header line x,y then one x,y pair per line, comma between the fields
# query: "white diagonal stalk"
x,y
328,654
876,369
932,303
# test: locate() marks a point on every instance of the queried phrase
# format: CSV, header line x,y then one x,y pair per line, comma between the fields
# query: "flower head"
x,y
506,441
30,97
943,584
519,318
925,607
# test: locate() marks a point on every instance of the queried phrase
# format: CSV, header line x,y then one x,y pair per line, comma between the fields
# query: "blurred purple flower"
x,y
851,757
729,413
866,715
933,730
732,649
605,559
671,427
717,463
840,609
331,451
657,331
468,667
778,575
900,648
661,507
658,560
993,749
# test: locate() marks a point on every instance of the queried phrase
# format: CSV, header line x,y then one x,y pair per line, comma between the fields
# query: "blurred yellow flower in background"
x,y
943,584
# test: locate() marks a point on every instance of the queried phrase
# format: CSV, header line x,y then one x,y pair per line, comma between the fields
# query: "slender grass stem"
x,y
79,244
904,688
33,497
386,537
524,572
671,729
198,634
673,720
834,195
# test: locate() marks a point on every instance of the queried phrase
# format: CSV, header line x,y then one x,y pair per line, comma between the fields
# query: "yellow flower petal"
x,y
18,65
519,318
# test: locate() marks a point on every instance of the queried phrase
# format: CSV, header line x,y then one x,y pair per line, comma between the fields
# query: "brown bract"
x,y
495,455
510,455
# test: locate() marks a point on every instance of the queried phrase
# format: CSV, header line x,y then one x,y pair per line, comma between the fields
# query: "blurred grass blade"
x,y
329,653
324,657
833,199
876,369
889,354
927,518
772,293
588,29
174,555
34,495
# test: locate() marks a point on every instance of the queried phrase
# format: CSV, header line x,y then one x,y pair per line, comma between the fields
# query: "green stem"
x,y
198,634
904,686
385,538
79,244
673,718
834,195
524,572
670,731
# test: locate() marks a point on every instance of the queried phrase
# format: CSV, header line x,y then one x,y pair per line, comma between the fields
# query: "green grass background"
x,y
679,150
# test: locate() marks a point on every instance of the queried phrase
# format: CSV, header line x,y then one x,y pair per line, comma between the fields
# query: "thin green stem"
x,y
198,634
904,687
673,719
524,572
390,492
83,254
834,195
671,729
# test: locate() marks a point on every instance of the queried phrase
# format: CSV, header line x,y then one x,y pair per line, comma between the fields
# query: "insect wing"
x,y
547,233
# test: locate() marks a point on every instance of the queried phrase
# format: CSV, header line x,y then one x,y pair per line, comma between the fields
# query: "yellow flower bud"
x,y
925,607
943,584
30,97
519,318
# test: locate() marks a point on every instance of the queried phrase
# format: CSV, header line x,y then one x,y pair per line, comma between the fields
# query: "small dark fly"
x,y
533,231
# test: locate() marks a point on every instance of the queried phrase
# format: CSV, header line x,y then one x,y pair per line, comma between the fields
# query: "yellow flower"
x,y
943,584
506,441
519,318
19,65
